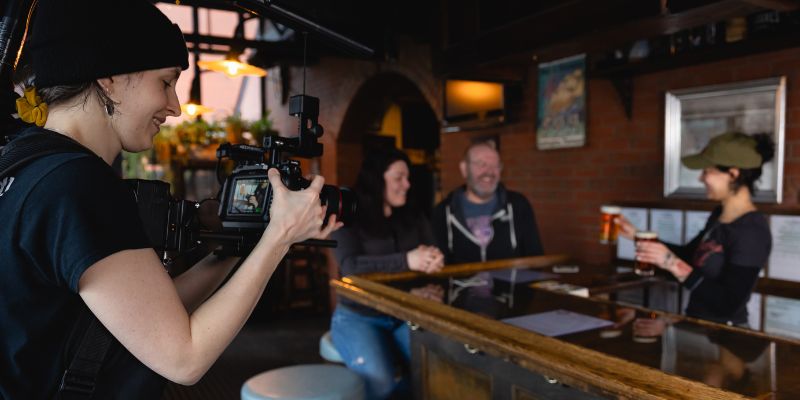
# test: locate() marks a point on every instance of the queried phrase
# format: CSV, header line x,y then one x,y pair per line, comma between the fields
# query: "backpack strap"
x,y
79,379
27,148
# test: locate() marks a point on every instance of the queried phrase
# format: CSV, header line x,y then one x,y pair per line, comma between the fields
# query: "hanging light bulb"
x,y
194,108
232,67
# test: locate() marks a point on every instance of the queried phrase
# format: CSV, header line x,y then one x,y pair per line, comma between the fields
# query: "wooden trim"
x,y
573,365
778,287
471,268
700,205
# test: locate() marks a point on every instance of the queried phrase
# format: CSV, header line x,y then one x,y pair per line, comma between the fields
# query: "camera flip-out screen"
x,y
249,196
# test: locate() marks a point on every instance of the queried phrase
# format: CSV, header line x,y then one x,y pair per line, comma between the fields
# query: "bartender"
x,y
722,263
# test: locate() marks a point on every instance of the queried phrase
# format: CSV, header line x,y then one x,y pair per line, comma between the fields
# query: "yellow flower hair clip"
x,y
31,108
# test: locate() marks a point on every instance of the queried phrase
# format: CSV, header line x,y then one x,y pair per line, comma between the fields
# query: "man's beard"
x,y
482,194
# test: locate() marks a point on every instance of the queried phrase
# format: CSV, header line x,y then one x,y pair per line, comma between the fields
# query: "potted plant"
x,y
234,127
261,128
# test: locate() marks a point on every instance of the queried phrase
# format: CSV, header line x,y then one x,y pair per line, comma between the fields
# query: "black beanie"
x,y
78,41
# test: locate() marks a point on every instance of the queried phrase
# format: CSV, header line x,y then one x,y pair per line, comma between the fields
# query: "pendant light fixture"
x,y
194,107
231,65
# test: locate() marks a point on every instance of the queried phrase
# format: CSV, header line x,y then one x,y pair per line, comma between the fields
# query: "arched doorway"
x,y
389,109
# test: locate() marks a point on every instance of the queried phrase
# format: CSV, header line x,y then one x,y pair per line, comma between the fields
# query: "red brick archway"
x,y
364,115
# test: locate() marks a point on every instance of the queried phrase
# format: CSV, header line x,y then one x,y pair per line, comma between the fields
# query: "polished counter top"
x,y
673,357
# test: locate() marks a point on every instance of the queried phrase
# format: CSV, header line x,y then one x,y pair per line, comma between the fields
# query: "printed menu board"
x,y
784,261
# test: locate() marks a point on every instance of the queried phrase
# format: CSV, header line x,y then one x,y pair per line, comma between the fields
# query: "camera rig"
x,y
243,204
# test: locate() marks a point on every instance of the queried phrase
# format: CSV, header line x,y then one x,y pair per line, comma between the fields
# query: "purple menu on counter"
x,y
558,322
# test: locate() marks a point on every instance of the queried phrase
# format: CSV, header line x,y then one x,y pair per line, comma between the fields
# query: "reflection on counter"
x,y
750,364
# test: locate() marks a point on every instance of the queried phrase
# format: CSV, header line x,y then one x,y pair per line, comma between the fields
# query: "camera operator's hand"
x,y
427,259
298,215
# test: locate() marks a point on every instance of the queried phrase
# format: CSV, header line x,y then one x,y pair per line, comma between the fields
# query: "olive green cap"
x,y
730,149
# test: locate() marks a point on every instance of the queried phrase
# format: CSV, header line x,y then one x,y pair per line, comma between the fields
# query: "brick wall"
x,y
622,161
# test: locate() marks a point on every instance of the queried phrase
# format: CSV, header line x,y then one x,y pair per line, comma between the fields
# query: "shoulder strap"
x,y
25,149
80,378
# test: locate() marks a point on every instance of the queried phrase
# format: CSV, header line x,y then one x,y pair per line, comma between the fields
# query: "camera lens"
x,y
340,201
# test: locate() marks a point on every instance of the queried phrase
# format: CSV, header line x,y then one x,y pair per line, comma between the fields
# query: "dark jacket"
x,y
515,231
359,252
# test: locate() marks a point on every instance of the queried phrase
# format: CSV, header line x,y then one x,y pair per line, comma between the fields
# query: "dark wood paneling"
x,y
447,380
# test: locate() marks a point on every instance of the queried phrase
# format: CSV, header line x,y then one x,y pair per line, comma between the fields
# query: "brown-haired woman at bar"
x,y
388,236
721,264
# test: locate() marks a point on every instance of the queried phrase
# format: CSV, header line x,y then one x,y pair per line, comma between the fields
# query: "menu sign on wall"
x,y
782,316
784,261
695,222
668,224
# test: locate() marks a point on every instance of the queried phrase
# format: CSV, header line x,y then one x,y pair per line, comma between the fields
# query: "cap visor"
x,y
696,161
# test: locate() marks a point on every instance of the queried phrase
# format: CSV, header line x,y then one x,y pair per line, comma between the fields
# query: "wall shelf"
x,y
622,75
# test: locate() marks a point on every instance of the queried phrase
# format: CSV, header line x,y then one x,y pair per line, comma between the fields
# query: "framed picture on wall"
x,y
561,103
694,116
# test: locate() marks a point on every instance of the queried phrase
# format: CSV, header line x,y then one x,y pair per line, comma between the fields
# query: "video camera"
x,y
243,205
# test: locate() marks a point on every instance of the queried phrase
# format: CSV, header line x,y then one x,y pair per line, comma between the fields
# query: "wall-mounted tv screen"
x,y
473,104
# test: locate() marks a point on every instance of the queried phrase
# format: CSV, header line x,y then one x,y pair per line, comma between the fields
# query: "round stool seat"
x,y
305,382
327,350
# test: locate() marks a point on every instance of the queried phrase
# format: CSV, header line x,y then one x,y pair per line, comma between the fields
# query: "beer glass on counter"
x,y
609,229
644,268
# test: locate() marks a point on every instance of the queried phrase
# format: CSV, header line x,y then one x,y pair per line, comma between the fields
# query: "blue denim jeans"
x,y
375,347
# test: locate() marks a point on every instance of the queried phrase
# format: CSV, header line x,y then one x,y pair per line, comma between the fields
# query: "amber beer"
x,y
608,224
643,268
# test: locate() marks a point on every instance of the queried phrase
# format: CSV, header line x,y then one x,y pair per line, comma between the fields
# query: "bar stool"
x,y
327,350
305,382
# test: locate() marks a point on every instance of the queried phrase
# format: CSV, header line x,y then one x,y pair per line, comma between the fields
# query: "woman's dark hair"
x,y
749,176
370,187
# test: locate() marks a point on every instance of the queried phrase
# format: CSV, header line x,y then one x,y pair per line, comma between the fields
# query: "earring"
x,y
110,108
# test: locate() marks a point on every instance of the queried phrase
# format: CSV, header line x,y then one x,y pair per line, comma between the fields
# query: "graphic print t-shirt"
x,y
727,255
479,220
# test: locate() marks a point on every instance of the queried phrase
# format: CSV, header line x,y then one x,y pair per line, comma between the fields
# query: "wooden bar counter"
x,y
464,351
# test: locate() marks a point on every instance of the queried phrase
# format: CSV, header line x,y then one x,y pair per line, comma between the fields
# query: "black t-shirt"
x,y
726,260
59,215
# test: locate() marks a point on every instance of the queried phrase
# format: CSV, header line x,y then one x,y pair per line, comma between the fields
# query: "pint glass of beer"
x,y
608,224
643,268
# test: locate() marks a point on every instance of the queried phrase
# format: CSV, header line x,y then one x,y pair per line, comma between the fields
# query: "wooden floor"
x,y
260,346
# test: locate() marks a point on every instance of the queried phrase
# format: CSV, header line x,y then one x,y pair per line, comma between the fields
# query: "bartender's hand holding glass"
x,y
626,228
298,215
658,254
427,259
